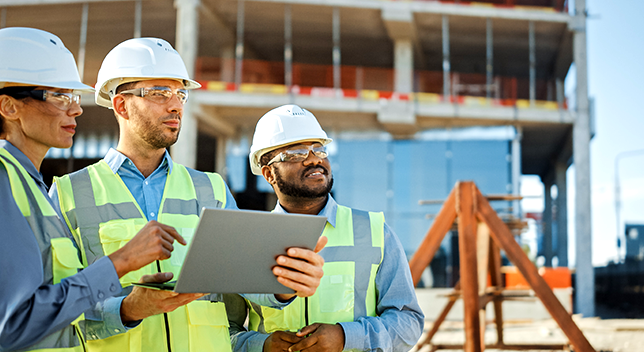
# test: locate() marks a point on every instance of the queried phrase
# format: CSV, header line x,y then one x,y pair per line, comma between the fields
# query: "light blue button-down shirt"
x,y
399,321
29,310
148,192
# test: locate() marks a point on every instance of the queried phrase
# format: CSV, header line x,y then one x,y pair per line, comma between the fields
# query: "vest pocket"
x,y
115,234
208,326
65,261
129,341
336,293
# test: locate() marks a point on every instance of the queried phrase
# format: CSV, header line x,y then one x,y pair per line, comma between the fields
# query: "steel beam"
x,y
533,63
489,52
288,47
336,48
83,41
447,90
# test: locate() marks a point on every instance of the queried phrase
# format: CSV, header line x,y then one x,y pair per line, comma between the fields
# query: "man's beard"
x,y
298,190
153,134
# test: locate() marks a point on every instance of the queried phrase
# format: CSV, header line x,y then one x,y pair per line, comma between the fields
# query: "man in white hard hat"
x,y
42,293
145,82
366,299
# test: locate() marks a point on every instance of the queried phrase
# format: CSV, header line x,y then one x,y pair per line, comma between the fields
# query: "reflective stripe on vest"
x,y
59,255
103,213
347,289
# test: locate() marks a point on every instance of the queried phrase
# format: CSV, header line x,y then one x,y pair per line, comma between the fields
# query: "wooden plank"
x,y
465,192
497,282
482,259
504,239
433,238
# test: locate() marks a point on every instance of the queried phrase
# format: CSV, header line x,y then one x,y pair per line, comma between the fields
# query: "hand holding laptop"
x,y
143,302
300,270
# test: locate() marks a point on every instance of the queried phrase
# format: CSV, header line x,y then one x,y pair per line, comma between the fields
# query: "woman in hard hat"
x,y
42,293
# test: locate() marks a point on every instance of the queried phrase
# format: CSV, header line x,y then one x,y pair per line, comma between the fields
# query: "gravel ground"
x,y
610,335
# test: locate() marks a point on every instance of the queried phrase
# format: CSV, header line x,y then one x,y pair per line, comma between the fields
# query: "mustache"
x,y
171,117
311,167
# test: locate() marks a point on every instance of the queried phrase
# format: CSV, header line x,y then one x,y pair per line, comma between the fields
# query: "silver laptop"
x,y
233,251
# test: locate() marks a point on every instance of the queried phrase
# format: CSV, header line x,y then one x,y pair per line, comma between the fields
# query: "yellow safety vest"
x,y
347,290
59,255
103,214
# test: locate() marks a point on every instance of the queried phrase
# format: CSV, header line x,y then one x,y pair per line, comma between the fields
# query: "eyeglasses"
x,y
60,100
300,153
160,95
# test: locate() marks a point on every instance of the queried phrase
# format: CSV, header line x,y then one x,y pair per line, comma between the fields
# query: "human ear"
x,y
267,172
119,106
8,107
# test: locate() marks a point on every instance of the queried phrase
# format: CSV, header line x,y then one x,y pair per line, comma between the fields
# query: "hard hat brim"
x,y
256,169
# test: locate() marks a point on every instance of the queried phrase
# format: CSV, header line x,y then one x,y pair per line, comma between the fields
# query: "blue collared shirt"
x,y
148,192
30,310
105,318
399,321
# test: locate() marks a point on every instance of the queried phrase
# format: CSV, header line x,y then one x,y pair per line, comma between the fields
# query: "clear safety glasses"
x,y
60,100
160,95
300,153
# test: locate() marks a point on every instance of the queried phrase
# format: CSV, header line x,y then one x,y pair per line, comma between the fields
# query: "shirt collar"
x,y
329,210
115,160
23,160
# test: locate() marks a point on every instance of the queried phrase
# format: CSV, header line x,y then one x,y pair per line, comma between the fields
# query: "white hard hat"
x,y
32,57
281,126
139,59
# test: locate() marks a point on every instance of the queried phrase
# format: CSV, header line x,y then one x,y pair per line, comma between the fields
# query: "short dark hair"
x,y
266,158
126,86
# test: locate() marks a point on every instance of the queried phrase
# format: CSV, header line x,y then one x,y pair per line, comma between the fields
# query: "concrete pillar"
x,y
559,88
239,47
336,48
220,156
227,71
83,40
489,62
187,38
533,63
546,222
561,181
585,279
403,66
288,47
138,11
447,90
516,171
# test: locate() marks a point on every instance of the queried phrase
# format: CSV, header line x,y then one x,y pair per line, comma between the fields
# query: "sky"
x,y
615,39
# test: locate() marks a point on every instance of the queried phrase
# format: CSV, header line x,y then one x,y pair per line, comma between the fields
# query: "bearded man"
x,y
366,299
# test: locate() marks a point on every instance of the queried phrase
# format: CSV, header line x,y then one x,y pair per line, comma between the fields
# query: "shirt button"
x,y
101,295
146,182
112,288
117,330
152,214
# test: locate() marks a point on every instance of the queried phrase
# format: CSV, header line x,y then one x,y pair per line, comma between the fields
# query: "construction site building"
x,y
417,95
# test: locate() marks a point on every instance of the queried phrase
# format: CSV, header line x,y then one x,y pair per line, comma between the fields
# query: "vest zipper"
x,y
165,318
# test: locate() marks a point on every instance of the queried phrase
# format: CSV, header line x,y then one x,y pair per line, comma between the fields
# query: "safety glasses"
x,y
300,153
60,100
160,95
